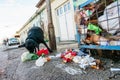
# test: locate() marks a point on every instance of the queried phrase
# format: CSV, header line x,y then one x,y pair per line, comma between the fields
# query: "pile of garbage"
x,y
40,57
84,60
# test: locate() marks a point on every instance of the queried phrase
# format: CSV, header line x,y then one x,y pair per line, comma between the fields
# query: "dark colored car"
x,y
13,41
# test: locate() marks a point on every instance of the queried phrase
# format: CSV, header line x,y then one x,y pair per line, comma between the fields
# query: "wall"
x,y
54,5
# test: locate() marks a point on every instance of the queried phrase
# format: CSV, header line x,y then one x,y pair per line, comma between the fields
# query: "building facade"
x,y
63,20
39,18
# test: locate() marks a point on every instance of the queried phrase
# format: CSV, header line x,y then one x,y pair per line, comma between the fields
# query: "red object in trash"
x,y
68,56
67,59
43,51
73,53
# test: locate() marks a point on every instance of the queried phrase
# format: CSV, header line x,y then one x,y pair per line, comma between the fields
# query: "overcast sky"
x,y
14,14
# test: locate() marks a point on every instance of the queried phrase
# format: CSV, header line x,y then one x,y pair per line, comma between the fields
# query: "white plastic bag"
x,y
110,12
77,59
86,61
26,56
40,61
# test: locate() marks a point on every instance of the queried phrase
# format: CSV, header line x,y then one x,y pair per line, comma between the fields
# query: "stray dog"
x,y
34,38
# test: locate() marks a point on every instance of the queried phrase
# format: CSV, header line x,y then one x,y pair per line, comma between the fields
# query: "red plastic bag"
x,y
43,51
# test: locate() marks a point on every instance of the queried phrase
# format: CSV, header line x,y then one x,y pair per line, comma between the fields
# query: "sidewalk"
x,y
63,45
66,45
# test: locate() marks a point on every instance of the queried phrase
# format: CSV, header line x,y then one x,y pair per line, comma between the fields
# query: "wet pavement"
x,y
11,67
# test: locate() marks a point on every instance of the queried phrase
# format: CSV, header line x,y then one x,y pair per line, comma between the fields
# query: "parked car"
x,y
13,41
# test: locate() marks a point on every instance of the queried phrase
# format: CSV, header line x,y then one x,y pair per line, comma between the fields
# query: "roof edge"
x,y
40,3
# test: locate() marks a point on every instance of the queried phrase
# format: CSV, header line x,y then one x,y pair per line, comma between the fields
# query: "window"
x,y
58,12
61,10
65,7
68,5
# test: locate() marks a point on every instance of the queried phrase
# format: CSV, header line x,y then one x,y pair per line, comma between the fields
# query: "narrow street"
x,y
11,68
9,56
65,25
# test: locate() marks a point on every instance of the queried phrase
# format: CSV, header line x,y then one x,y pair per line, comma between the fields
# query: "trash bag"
x,y
109,21
94,28
26,56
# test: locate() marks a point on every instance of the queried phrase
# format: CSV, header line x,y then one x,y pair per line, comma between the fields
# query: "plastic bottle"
x,y
40,61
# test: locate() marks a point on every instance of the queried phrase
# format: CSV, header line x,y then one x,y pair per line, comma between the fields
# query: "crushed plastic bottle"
x,y
40,61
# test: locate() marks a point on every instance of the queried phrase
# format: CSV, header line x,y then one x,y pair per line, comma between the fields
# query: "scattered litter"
x,y
94,67
26,56
52,57
77,59
68,55
93,63
40,61
43,51
86,61
114,69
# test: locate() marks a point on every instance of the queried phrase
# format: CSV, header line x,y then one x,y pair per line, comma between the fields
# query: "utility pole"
x,y
51,32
